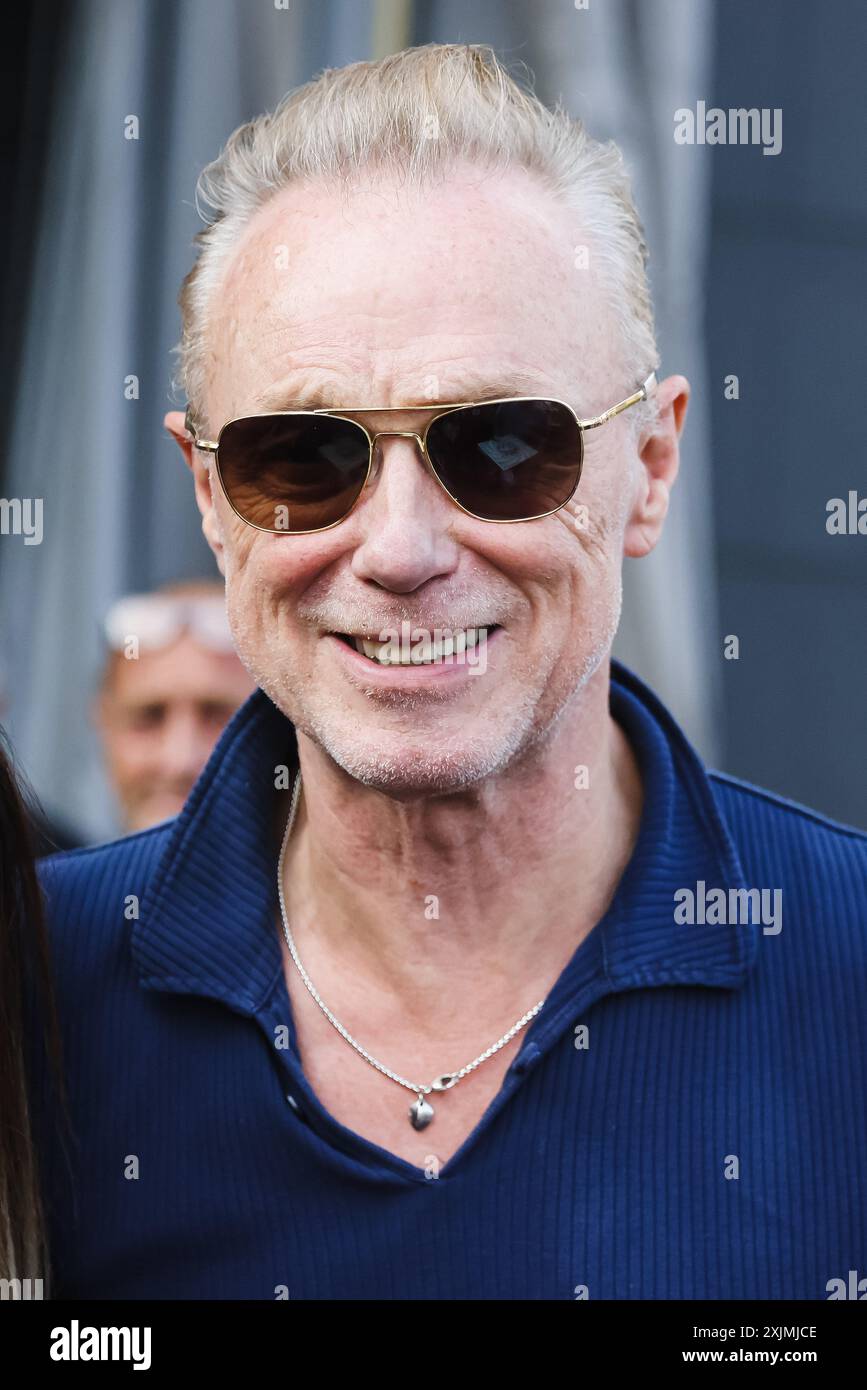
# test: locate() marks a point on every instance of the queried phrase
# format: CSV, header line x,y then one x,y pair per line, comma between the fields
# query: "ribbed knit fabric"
x,y
709,1141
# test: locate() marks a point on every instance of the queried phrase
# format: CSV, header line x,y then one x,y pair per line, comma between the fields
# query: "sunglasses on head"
x,y
298,471
157,620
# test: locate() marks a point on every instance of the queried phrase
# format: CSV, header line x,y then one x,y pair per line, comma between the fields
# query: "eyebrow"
x,y
472,389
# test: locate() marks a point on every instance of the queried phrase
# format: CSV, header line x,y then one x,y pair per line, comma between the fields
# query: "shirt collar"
x,y
682,842
206,923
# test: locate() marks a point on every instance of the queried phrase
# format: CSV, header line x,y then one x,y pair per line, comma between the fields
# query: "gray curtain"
x,y
115,242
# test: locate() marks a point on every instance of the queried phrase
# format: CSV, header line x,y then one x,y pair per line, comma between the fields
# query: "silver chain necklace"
x,y
421,1112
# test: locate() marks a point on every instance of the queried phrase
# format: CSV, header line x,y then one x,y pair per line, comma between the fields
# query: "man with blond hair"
x,y
459,975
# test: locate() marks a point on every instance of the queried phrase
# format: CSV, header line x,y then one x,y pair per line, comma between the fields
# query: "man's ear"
x,y
202,480
659,457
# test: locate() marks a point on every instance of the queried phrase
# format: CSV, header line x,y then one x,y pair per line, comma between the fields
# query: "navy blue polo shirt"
x,y
685,1117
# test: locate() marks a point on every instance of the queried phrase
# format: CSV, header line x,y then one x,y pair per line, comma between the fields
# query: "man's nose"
x,y
405,518
185,745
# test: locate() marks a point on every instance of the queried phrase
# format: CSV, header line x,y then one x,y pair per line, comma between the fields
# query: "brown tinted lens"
x,y
292,472
508,461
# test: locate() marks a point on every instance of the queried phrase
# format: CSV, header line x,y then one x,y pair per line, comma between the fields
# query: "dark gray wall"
x,y
787,308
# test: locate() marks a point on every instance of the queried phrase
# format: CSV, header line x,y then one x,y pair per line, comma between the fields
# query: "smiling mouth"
x,y
435,647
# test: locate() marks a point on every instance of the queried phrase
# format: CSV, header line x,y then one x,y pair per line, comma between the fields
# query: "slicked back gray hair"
x,y
416,113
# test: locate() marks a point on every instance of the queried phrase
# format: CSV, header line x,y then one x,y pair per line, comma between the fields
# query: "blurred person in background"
x,y
170,683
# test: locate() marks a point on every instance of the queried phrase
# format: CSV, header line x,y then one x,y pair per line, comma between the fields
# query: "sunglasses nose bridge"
x,y
397,434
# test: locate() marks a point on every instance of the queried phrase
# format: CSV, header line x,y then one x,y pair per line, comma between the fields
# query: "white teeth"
x,y
425,651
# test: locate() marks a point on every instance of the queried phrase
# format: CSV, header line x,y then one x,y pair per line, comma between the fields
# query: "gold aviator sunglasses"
x,y
294,472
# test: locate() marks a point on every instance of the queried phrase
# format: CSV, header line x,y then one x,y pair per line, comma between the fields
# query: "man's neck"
x,y
498,882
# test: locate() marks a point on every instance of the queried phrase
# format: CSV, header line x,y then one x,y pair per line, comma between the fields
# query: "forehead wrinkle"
x,y
302,391
424,370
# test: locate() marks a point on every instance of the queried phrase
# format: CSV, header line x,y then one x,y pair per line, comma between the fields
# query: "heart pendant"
x,y
420,1113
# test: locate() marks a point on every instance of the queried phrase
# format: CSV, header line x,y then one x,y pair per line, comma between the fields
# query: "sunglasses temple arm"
x,y
647,389
207,446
